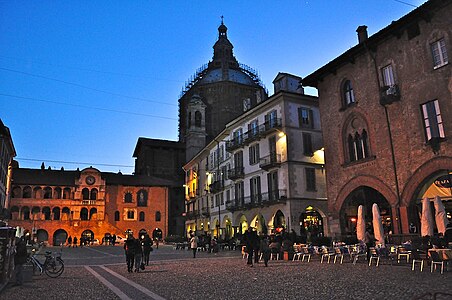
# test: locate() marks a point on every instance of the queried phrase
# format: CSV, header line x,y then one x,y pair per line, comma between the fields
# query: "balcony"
x,y
236,173
252,135
271,161
205,211
235,143
274,197
235,204
216,186
389,94
89,202
192,215
270,126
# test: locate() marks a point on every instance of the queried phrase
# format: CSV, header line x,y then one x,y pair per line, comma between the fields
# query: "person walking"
x,y
113,240
138,255
129,248
20,258
147,248
265,249
368,240
75,242
69,241
252,245
194,244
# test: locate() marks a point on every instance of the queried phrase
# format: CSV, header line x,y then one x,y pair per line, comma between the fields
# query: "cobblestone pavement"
x,y
173,274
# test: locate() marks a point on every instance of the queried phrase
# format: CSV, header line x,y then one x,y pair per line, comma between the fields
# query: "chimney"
x,y
362,33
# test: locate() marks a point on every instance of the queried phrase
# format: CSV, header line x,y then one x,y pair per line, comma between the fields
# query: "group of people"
x,y
255,245
137,252
73,242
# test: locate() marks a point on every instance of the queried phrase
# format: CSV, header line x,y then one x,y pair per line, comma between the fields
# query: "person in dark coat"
x,y
265,249
147,248
20,258
252,245
129,248
75,242
138,255
448,233
69,241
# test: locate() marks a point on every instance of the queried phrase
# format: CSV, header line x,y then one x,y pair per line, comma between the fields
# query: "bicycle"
x,y
53,266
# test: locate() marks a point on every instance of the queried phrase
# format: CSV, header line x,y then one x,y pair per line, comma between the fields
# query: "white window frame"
x,y
388,75
436,116
439,53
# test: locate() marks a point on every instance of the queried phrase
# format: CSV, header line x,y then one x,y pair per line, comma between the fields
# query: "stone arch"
x,y
26,193
36,213
14,213
25,213
242,223
42,235
227,225
45,213
57,193
93,194
59,237
363,180
93,213
16,192
56,213
85,194
37,192
67,193
84,214
430,167
47,192
65,214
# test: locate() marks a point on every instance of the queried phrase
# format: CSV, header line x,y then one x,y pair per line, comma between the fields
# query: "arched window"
x,y
348,94
85,194
93,195
198,118
17,192
26,192
189,120
25,213
56,213
142,198
356,140
93,214
46,213
116,215
141,217
57,193
67,193
158,216
128,197
37,192
47,193
84,214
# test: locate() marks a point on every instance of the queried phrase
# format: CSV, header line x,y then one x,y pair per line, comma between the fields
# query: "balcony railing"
x,y
251,135
205,211
270,161
216,186
236,173
235,143
258,200
389,94
270,126
89,202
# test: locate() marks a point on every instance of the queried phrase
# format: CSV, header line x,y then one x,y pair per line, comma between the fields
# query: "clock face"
x,y
90,180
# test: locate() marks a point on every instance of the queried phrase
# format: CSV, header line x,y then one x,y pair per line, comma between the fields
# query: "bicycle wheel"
x,y
32,263
54,267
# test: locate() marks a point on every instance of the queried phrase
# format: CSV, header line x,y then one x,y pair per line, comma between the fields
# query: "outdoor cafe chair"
x,y
436,260
403,252
297,253
374,255
339,252
326,253
274,254
306,253
417,259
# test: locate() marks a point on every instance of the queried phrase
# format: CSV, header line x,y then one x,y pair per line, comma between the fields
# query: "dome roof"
x,y
216,75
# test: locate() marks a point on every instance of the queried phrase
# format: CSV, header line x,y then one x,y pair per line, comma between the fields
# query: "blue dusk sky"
x,y
81,81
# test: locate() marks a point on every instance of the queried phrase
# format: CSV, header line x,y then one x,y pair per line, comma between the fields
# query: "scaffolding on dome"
x,y
201,72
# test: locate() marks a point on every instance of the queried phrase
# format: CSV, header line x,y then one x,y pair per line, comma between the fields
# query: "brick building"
x,y
386,112
56,204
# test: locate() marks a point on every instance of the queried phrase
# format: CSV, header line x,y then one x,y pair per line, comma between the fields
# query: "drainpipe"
x,y
362,40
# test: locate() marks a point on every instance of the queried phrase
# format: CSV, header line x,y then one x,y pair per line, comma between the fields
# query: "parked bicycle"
x,y
53,266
